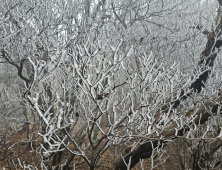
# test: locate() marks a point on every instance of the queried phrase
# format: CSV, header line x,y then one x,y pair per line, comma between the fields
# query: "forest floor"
x,y
16,147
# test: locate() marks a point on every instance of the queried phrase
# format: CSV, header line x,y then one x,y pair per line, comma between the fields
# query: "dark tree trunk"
x,y
207,59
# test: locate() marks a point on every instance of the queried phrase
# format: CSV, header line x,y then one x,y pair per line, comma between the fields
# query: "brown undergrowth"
x,y
16,146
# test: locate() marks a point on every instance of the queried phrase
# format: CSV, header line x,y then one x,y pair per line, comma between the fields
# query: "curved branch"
x,y
19,68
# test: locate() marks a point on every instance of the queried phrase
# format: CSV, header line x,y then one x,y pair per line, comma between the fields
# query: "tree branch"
x,y
19,68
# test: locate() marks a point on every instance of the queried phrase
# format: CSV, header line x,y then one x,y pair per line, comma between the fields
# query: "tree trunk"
x,y
145,150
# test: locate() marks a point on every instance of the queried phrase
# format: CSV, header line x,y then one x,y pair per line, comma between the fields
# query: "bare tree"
x,y
104,74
